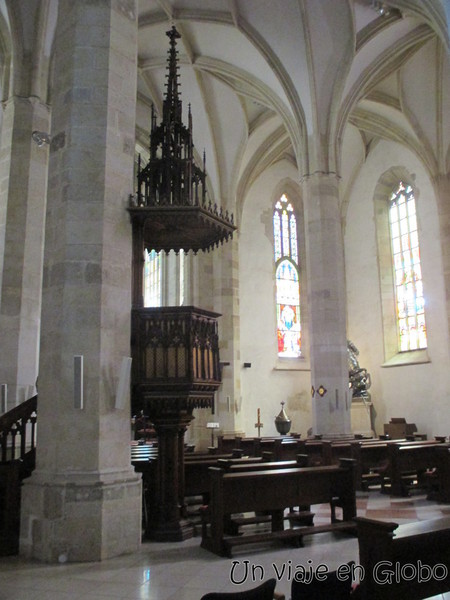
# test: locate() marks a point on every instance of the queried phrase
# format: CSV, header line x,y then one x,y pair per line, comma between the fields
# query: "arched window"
x,y
152,278
287,279
410,302
164,279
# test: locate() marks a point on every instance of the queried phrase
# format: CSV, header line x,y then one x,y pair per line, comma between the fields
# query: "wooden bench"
x,y
394,559
196,473
407,462
373,459
442,474
282,446
272,491
303,515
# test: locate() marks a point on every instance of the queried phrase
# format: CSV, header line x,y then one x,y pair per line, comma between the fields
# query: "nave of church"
x,y
185,571
211,210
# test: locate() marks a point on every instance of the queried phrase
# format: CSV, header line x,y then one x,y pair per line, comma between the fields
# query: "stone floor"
x,y
184,571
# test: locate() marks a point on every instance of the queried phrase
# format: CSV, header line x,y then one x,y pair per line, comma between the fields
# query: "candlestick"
x,y
258,424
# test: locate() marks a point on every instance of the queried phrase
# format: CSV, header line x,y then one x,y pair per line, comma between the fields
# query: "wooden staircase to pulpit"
x,y
17,461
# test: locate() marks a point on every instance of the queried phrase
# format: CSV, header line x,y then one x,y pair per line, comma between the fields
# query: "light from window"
x,y
181,265
410,302
287,279
152,278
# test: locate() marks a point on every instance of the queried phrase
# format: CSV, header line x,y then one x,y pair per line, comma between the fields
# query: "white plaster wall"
x,y
420,393
268,381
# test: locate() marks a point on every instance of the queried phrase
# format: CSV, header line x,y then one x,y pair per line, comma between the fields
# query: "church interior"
x,y
224,243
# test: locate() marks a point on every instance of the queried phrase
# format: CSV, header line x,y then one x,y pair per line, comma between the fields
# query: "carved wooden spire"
x,y
170,201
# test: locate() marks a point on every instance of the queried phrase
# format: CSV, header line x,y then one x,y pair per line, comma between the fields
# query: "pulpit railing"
x,y
175,351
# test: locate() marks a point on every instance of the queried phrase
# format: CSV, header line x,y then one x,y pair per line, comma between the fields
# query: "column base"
x,y
80,517
177,531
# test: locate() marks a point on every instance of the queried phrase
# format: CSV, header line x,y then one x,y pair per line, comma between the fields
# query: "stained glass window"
x,y
152,278
410,302
287,279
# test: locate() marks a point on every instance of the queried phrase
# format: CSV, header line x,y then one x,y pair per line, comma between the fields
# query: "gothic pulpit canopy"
x,y
170,207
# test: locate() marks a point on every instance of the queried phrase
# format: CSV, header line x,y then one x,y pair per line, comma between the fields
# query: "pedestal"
x,y
361,417
166,510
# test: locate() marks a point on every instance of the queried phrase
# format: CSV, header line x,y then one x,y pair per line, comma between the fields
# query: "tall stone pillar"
x,y
83,501
442,187
331,401
23,193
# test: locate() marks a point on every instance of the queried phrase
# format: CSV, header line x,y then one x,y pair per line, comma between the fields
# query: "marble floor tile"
x,y
184,571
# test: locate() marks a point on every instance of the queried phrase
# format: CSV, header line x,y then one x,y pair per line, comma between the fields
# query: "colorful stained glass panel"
x,y
287,279
407,270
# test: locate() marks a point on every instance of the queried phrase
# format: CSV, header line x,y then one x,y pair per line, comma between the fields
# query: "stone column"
x,y
442,187
23,192
83,501
331,400
226,281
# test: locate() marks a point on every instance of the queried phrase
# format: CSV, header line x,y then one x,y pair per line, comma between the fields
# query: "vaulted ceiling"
x,y
317,82
290,78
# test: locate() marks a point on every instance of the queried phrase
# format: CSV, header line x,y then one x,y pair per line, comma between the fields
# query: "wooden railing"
x,y
17,461
18,433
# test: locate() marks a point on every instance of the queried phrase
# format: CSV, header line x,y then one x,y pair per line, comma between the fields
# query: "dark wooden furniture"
x,y
10,481
175,369
196,473
264,591
441,474
175,350
334,585
370,458
399,428
407,463
403,561
272,491
17,461
283,447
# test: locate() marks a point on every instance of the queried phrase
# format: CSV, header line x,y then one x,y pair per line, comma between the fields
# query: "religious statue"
x,y
359,378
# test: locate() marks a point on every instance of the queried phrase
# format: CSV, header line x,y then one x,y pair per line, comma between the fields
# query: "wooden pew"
x,y
196,473
254,446
402,561
408,459
272,491
373,459
317,450
303,515
141,453
370,458
440,477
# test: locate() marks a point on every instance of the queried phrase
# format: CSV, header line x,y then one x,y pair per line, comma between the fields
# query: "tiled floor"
x,y
184,571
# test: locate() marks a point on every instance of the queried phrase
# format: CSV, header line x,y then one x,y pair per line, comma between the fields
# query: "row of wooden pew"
x,y
278,491
396,561
393,464
396,465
